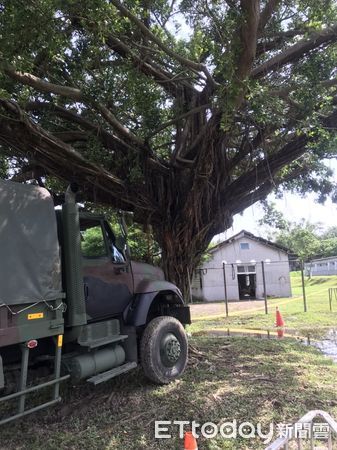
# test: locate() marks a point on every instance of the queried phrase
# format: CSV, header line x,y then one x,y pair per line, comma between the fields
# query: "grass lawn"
x,y
227,378
315,321
246,379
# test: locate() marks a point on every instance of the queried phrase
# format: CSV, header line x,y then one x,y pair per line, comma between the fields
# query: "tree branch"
x,y
109,140
248,37
39,84
160,76
77,95
184,61
297,51
192,111
267,13
269,167
63,161
71,136
116,125
276,41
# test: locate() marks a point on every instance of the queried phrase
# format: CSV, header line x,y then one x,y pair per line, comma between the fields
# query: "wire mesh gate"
x,y
308,440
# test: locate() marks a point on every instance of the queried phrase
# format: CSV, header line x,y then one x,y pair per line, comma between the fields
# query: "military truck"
x,y
77,309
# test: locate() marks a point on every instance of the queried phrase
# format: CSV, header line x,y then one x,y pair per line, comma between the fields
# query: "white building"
x,y
321,266
244,257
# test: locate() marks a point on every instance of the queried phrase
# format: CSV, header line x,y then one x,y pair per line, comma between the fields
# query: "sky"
x,y
293,208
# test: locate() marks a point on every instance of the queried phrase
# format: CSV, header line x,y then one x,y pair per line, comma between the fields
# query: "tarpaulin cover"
x,y
30,269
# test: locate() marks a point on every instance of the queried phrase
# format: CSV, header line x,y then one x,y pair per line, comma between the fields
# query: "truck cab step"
x,y
104,376
94,343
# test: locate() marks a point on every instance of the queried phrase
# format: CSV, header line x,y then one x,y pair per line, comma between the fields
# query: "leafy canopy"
x,y
184,112
307,240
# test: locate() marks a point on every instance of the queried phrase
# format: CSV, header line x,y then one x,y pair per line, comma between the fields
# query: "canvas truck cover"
x,y
30,268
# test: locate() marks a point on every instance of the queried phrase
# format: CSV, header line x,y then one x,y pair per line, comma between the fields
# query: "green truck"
x,y
78,309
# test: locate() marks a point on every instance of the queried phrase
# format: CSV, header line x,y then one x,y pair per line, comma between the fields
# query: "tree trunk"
x,y
180,256
184,235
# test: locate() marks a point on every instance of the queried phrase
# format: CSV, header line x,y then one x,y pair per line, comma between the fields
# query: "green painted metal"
x,y
23,390
30,411
57,367
23,377
34,388
105,341
21,323
92,363
94,334
98,348
76,312
105,376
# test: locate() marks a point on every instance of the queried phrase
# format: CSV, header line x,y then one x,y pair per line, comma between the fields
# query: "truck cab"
x,y
72,299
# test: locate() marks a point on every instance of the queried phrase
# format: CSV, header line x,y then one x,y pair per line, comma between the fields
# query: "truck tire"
x,y
164,350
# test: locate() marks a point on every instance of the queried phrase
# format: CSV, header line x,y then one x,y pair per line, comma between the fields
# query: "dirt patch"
x,y
216,308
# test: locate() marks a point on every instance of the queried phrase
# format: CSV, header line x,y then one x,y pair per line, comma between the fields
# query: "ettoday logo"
x,y
165,429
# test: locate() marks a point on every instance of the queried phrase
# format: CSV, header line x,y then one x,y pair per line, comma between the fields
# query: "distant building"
x,y
321,266
243,255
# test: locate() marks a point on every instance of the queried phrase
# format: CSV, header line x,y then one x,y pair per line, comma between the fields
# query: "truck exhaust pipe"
x,y
73,274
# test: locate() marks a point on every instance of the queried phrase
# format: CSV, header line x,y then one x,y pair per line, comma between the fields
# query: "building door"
x,y
247,282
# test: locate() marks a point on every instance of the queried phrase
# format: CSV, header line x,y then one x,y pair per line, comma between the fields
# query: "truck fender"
x,y
137,312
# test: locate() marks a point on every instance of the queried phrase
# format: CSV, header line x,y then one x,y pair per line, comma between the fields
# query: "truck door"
x,y
108,280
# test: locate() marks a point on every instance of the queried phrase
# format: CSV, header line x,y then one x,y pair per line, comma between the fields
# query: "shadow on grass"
x,y
238,378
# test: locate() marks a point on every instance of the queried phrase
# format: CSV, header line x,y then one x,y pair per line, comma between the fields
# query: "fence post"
x,y
303,287
225,286
264,288
330,299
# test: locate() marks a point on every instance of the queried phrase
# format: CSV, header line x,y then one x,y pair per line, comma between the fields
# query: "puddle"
x,y
327,344
255,333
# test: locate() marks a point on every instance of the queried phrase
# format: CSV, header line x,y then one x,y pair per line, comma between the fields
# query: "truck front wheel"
x,y
164,349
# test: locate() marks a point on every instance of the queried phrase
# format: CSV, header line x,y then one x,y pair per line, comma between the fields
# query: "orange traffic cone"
x,y
279,319
280,333
190,442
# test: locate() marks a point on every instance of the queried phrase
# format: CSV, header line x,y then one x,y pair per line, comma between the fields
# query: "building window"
x,y
244,246
246,269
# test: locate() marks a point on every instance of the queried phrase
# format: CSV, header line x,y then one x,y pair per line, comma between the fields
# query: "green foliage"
x,y
272,217
142,243
143,246
302,239
92,242
70,47
177,106
307,240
